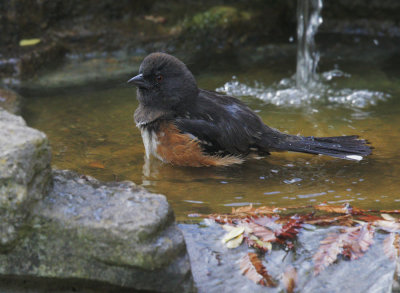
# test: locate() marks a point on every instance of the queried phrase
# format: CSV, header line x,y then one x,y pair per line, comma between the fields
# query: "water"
x,y
92,132
308,20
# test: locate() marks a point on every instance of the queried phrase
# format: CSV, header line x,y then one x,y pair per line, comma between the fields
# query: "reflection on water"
x,y
93,132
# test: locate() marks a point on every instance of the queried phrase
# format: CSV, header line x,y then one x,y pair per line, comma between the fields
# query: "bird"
x,y
184,125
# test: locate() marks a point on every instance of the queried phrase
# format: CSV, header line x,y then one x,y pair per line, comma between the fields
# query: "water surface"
x,y
92,132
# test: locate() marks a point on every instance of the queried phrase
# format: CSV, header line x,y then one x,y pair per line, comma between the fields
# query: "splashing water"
x,y
306,86
308,20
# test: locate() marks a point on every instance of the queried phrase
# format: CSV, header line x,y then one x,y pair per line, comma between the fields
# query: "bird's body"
x,y
187,126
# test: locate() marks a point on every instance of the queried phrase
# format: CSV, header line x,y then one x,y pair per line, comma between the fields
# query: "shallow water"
x,y
92,132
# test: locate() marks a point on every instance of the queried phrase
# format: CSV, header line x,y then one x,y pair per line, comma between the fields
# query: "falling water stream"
x,y
306,86
308,20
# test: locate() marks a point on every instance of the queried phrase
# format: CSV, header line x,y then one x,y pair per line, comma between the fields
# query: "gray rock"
x,y
113,233
10,101
25,175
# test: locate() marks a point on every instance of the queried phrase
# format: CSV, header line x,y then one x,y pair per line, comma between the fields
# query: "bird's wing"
x,y
223,124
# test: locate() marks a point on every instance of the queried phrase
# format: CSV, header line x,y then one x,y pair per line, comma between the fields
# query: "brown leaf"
x,y
263,233
254,270
97,165
390,211
352,242
155,19
345,220
289,279
343,209
291,228
358,241
254,241
391,246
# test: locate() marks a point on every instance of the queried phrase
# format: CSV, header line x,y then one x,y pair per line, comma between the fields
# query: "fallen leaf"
x,y
389,226
343,209
263,233
391,246
290,229
358,241
352,242
255,242
233,233
388,217
29,42
289,279
254,270
390,211
235,242
97,165
344,220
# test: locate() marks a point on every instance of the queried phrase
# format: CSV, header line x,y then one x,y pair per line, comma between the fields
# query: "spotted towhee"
x,y
187,126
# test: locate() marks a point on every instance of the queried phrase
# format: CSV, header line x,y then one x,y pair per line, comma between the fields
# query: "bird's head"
x,y
164,82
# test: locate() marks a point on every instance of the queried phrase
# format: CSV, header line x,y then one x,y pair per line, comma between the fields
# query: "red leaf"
x,y
290,229
97,165
253,269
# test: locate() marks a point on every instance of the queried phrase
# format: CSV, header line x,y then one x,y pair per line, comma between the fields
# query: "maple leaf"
x,y
252,267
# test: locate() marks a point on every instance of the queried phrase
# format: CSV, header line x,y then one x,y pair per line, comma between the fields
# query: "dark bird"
x,y
187,126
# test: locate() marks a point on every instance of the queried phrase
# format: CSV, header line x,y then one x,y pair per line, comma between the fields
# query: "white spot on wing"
x,y
354,157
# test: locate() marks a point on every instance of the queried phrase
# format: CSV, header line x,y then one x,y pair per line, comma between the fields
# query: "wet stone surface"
x,y
113,233
216,268
24,175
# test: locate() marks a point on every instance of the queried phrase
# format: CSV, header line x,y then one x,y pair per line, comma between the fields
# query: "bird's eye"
x,y
159,78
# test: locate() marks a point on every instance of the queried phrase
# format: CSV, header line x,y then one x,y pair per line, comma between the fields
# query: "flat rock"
x,y
25,175
110,233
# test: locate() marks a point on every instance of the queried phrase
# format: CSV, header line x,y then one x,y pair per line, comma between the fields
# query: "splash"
x,y
286,93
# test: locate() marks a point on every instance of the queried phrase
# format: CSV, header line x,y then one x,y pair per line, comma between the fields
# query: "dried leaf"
x,y
289,279
343,209
235,242
155,19
391,246
255,242
345,220
263,233
254,270
235,232
29,42
388,217
358,241
97,165
389,226
390,211
352,242
290,229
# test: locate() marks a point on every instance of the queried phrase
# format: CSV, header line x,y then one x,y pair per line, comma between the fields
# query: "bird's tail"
x,y
344,147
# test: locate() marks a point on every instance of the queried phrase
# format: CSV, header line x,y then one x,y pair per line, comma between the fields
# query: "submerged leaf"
x,y
358,241
345,220
389,226
254,270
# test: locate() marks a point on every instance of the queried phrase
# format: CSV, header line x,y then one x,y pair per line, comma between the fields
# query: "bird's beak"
x,y
139,81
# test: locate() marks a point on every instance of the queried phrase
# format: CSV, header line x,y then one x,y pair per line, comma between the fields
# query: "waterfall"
x,y
308,20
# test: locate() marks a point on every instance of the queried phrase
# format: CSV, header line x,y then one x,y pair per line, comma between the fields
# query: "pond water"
x,y
92,131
